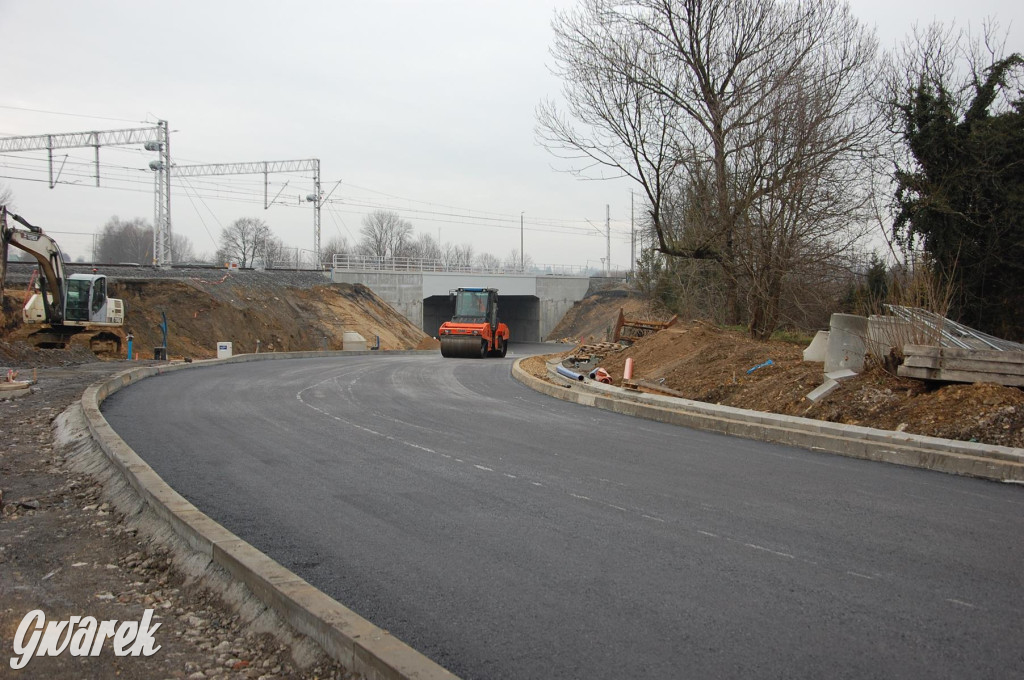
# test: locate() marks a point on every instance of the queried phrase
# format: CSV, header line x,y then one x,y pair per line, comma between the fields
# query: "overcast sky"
x,y
426,108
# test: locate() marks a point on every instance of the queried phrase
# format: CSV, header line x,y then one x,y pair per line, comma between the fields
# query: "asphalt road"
x,y
506,534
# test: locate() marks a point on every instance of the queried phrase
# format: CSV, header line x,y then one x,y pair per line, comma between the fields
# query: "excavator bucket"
x,y
464,347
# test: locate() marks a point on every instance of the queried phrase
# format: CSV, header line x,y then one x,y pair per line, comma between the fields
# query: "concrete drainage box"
x,y
352,341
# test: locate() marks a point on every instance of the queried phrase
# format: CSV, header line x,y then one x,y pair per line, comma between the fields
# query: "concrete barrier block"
x,y
817,349
847,339
823,390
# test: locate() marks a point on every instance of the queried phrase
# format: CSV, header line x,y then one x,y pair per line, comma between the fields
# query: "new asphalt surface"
x,y
506,534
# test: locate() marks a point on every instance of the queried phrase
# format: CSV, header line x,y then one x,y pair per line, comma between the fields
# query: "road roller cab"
x,y
474,331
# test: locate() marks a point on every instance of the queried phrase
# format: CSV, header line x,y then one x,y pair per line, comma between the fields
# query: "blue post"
x,y
130,338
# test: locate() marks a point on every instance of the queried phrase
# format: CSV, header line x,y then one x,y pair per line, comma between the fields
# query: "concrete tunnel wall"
x,y
404,292
520,312
531,305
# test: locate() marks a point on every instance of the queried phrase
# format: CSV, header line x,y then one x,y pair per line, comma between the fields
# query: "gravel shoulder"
x,y
71,545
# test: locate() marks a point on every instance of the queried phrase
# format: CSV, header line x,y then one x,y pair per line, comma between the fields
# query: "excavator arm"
x,y
47,253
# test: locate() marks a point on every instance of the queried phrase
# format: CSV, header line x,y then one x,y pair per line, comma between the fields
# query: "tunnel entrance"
x,y
520,312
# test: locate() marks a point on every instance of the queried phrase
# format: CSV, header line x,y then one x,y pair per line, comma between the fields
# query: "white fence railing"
x,y
295,258
420,264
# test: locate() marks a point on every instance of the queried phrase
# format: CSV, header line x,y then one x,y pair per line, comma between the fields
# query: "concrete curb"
x,y
355,642
998,463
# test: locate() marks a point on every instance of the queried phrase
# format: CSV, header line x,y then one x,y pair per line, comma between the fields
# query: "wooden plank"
x,y
617,335
956,353
657,387
964,365
959,376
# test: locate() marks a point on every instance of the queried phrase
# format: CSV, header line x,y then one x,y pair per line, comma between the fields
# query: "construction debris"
x,y
599,348
653,387
938,330
631,329
950,364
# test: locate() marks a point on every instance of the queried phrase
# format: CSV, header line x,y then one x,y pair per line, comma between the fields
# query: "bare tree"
x,y
458,257
488,261
384,234
6,197
273,251
336,245
737,118
424,246
242,241
125,241
132,241
182,249
514,261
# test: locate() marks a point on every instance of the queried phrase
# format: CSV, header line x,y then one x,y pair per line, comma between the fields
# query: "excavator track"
x,y
466,347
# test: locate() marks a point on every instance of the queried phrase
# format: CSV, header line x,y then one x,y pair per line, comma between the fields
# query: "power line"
x,y
72,115
199,215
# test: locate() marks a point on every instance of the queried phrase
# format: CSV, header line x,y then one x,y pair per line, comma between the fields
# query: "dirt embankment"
x,y
707,363
241,309
593,318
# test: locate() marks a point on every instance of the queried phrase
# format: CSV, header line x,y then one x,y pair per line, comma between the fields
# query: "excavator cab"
x,y
85,303
86,299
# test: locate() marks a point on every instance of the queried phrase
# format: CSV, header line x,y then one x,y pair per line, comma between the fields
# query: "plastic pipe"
x,y
562,370
627,370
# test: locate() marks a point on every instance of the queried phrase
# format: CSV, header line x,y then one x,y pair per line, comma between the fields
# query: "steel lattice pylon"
x,y
158,139
265,168
153,138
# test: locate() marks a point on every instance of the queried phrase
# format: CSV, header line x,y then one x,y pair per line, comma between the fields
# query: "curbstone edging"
x,y
998,463
344,635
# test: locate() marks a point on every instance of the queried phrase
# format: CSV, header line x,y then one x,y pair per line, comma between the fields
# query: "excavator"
x,y
65,305
474,331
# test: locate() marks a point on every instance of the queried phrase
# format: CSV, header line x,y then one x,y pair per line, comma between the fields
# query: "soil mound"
x,y
592,319
711,364
248,311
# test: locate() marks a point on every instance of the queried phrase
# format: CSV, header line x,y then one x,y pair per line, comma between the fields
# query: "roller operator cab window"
x,y
471,305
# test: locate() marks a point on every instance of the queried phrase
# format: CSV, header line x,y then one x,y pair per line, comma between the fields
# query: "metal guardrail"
x,y
419,264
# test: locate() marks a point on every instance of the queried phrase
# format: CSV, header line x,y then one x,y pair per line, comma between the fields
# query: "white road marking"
x,y
389,437
961,603
510,476
485,469
774,552
707,533
656,519
582,498
853,573
536,483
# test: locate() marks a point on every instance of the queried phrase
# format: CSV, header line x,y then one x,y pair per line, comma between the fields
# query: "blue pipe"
x,y
562,370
